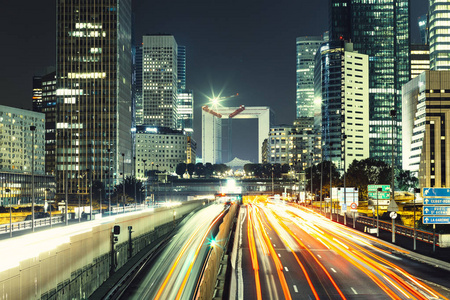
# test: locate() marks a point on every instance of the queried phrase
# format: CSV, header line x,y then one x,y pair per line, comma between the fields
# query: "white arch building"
x,y
212,128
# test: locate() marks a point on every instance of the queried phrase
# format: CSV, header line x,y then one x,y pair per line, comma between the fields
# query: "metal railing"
x,y
421,235
24,225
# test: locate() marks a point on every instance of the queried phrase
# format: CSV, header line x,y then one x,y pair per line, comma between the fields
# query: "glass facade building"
x,y
93,74
159,80
439,34
306,50
381,30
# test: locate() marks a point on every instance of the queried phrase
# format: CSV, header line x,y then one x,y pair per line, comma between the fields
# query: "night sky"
x,y
237,46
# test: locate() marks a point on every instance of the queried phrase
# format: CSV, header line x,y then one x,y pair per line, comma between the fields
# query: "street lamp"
x,y
33,129
135,194
123,178
331,179
109,180
321,177
415,232
90,192
272,182
311,165
378,228
393,114
345,187
10,212
50,202
146,180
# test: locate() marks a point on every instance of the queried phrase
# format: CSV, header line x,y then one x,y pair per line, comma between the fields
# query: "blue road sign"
x,y
436,210
436,201
436,192
436,220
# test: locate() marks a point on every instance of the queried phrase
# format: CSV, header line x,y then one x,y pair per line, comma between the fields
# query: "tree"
x,y
276,171
190,169
199,169
181,169
317,169
208,170
406,180
285,168
129,190
361,173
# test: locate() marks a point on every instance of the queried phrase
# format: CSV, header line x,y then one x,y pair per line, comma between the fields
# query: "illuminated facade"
x,y
426,128
379,29
420,59
16,139
47,105
342,84
93,94
439,34
306,51
278,145
162,149
159,80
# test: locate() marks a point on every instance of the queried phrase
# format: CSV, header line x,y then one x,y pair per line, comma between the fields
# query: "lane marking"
x,y
279,255
333,270
319,256
274,245
354,291
295,288
287,270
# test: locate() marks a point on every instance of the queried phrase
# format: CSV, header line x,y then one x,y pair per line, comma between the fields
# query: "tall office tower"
x,y
278,145
341,82
47,105
420,59
439,34
306,50
426,129
93,93
379,29
422,21
185,100
159,80
138,113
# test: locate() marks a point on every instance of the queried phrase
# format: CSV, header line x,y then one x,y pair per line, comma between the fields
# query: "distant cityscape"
x,y
114,109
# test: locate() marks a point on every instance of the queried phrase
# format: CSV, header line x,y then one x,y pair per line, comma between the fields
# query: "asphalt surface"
x,y
293,253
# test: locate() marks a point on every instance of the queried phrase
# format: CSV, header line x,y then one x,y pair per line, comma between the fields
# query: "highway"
x,y
294,253
175,272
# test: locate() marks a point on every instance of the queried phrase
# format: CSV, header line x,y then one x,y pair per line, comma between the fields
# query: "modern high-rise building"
x,y
46,103
381,30
278,145
342,84
306,51
159,80
185,100
420,59
422,21
426,129
439,34
93,107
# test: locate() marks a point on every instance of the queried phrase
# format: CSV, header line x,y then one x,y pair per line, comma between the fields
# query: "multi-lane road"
x,y
175,274
290,252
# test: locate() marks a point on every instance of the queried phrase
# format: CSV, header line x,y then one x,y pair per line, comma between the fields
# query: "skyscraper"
x,y
420,59
159,80
93,93
381,30
439,34
422,21
306,50
341,82
185,100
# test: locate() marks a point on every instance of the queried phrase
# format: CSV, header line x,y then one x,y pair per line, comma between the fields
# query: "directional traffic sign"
x,y
381,195
436,201
436,192
374,187
436,210
436,220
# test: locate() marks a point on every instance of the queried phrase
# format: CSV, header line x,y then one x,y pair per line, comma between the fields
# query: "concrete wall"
x,y
76,268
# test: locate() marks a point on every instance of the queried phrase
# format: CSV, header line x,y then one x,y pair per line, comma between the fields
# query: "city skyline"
x,y
247,48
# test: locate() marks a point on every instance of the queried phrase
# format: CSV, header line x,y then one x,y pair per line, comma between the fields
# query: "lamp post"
x,y
331,179
146,179
46,191
321,177
378,228
100,201
134,175
415,232
10,212
123,178
90,193
311,165
393,114
33,129
272,182
345,187
109,180
79,206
